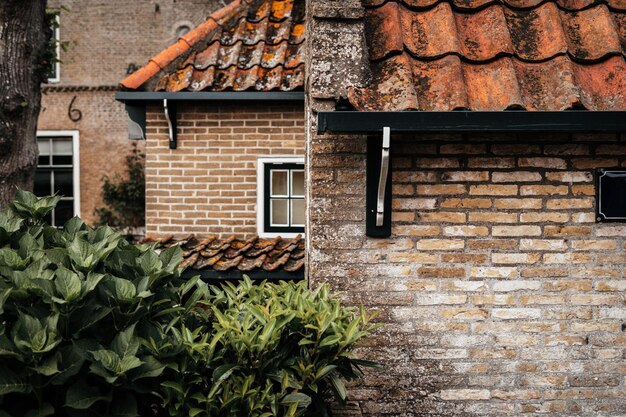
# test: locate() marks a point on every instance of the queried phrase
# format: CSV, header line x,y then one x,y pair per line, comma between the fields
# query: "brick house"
x,y
82,131
222,112
501,292
452,154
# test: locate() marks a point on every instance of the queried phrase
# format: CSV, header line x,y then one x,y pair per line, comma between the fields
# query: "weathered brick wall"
x,y
103,137
499,293
103,38
208,185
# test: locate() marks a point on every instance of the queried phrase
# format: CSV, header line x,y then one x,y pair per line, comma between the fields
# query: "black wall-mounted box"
x,y
611,195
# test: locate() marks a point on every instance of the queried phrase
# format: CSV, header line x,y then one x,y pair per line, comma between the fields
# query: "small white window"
x,y
58,173
55,43
280,196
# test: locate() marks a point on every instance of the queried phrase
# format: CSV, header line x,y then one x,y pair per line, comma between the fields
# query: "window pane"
x,y
62,160
44,151
297,212
62,147
297,183
63,182
63,212
44,146
279,182
280,212
42,182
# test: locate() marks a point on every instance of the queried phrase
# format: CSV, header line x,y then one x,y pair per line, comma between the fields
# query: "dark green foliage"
x,y
125,197
76,308
272,350
92,326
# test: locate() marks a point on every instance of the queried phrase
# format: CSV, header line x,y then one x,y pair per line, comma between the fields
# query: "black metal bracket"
x,y
136,121
169,107
378,186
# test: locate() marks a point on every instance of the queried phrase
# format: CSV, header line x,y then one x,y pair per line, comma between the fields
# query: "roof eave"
x,y
146,96
365,122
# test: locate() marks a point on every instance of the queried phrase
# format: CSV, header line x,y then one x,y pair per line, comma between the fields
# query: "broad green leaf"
x,y
49,367
82,396
128,363
10,258
108,359
73,226
171,258
10,382
82,254
7,348
124,289
4,296
67,284
149,369
126,343
149,262
92,281
193,412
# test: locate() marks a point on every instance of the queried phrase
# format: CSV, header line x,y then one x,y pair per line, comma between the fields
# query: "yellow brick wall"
x,y
499,293
208,185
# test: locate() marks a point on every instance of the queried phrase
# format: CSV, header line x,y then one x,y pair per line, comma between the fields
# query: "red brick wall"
x,y
499,293
209,184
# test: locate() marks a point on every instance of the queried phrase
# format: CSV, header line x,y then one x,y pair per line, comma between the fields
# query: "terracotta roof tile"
x,y
444,55
248,45
231,254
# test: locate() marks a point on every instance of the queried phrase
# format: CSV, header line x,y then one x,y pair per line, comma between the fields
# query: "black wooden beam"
x,y
144,96
355,122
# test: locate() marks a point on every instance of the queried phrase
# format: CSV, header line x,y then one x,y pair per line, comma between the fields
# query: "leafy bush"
x,y
92,326
274,350
76,309
125,197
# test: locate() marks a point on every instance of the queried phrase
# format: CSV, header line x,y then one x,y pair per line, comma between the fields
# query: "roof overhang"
x,y
380,126
136,102
148,96
353,122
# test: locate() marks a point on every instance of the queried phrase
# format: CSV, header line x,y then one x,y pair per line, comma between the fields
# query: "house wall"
x,y
499,293
208,185
105,40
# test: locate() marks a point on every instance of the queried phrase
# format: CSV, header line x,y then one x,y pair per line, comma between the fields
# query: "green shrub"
x,y
274,350
76,309
93,326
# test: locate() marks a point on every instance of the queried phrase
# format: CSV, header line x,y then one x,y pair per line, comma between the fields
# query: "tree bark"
x,y
24,39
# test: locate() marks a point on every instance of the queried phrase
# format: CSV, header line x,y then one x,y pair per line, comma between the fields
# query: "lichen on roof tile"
x,y
245,46
443,55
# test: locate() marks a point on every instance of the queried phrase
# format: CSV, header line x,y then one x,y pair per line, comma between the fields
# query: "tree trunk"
x,y
24,52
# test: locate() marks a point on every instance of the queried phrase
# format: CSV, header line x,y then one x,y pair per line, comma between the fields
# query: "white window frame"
x,y
56,35
260,192
74,134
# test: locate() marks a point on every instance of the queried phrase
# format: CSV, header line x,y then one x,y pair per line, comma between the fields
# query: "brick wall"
x,y
103,137
103,38
499,293
208,185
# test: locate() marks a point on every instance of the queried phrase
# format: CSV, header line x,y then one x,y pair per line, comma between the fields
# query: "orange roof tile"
x,y
247,45
494,55
231,254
